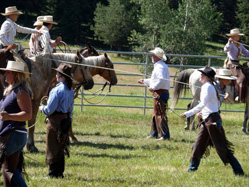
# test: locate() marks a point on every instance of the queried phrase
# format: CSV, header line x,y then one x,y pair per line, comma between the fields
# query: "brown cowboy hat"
x,y
209,72
64,69
11,10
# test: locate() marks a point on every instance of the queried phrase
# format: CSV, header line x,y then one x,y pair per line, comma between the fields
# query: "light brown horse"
x,y
42,76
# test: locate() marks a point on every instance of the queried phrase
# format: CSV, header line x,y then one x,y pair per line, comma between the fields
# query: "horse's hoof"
x,y
75,140
193,129
32,148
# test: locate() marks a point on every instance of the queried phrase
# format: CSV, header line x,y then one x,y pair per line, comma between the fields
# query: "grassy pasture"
x,y
113,150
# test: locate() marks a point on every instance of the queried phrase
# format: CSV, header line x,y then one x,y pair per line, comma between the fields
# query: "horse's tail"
x,y
181,79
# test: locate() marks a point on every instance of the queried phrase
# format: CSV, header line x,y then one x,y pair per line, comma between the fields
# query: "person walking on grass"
x,y
159,85
211,132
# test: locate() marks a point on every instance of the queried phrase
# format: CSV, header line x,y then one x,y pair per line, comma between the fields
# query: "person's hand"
x,y
230,40
4,116
183,115
40,108
141,81
226,96
11,46
199,115
58,40
151,90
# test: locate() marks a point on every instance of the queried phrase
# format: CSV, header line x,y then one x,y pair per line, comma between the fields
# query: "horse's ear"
x,y
78,55
89,46
105,55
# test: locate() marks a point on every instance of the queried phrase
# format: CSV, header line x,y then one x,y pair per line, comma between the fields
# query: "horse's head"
x,y
89,50
108,74
81,73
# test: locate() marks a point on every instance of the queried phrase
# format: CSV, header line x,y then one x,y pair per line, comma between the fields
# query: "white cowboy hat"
x,y
11,10
235,32
159,53
38,21
225,74
14,66
48,19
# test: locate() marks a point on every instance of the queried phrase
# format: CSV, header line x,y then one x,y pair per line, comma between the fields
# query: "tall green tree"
x,y
183,30
242,15
114,23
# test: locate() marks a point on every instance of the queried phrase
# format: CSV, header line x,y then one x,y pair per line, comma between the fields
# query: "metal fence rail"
x,y
146,64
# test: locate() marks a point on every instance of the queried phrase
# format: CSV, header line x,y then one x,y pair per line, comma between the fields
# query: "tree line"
x,y
178,26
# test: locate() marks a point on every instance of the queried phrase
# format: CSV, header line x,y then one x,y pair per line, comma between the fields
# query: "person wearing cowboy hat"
x,y
211,132
234,51
159,85
33,42
224,78
16,108
9,28
59,110
47,44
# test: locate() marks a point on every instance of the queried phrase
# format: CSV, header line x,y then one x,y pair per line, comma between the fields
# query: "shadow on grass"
x,y
110,156
104,145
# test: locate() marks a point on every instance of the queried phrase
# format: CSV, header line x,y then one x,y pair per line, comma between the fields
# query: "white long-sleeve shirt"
x,y
208,102
233,51
9,29
160,77
45,39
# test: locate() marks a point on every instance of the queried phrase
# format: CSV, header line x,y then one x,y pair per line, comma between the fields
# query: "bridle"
x,y
84,82
109,66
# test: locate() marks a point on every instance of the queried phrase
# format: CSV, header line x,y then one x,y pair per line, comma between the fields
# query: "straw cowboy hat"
x,y
209,72
38,21
225,74
235,32
159,53
15,66
48,19
11,10
64,69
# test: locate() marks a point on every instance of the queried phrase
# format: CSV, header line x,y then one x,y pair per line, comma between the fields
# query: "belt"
x,y
160,91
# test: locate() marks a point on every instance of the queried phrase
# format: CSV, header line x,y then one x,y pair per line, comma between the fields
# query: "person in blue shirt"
x,y
59,110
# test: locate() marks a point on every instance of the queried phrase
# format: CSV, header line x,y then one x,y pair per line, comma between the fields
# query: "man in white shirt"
x,y
47,44
9,28
159,85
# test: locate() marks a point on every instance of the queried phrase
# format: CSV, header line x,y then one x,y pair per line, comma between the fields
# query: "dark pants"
x,y
57,169
159,124
213,133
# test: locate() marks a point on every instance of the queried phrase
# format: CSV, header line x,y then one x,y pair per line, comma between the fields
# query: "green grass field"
x,y
113,149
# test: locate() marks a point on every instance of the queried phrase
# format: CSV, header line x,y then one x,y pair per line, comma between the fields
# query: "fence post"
x,y
145,88
82,93
209,62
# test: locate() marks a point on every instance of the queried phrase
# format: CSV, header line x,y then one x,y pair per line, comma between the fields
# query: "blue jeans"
x,y
16,143
11,165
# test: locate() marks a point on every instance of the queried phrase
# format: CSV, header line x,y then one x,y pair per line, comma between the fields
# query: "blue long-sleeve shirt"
x,y
60,99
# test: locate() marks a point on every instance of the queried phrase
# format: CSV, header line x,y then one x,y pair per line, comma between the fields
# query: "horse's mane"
x,y
95,60
46,59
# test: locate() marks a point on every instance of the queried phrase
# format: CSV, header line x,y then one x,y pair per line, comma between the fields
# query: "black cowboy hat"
x,y
64,69
209,72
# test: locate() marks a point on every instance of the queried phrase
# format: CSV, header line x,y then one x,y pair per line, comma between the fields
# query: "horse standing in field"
x,y
42,77
191,77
